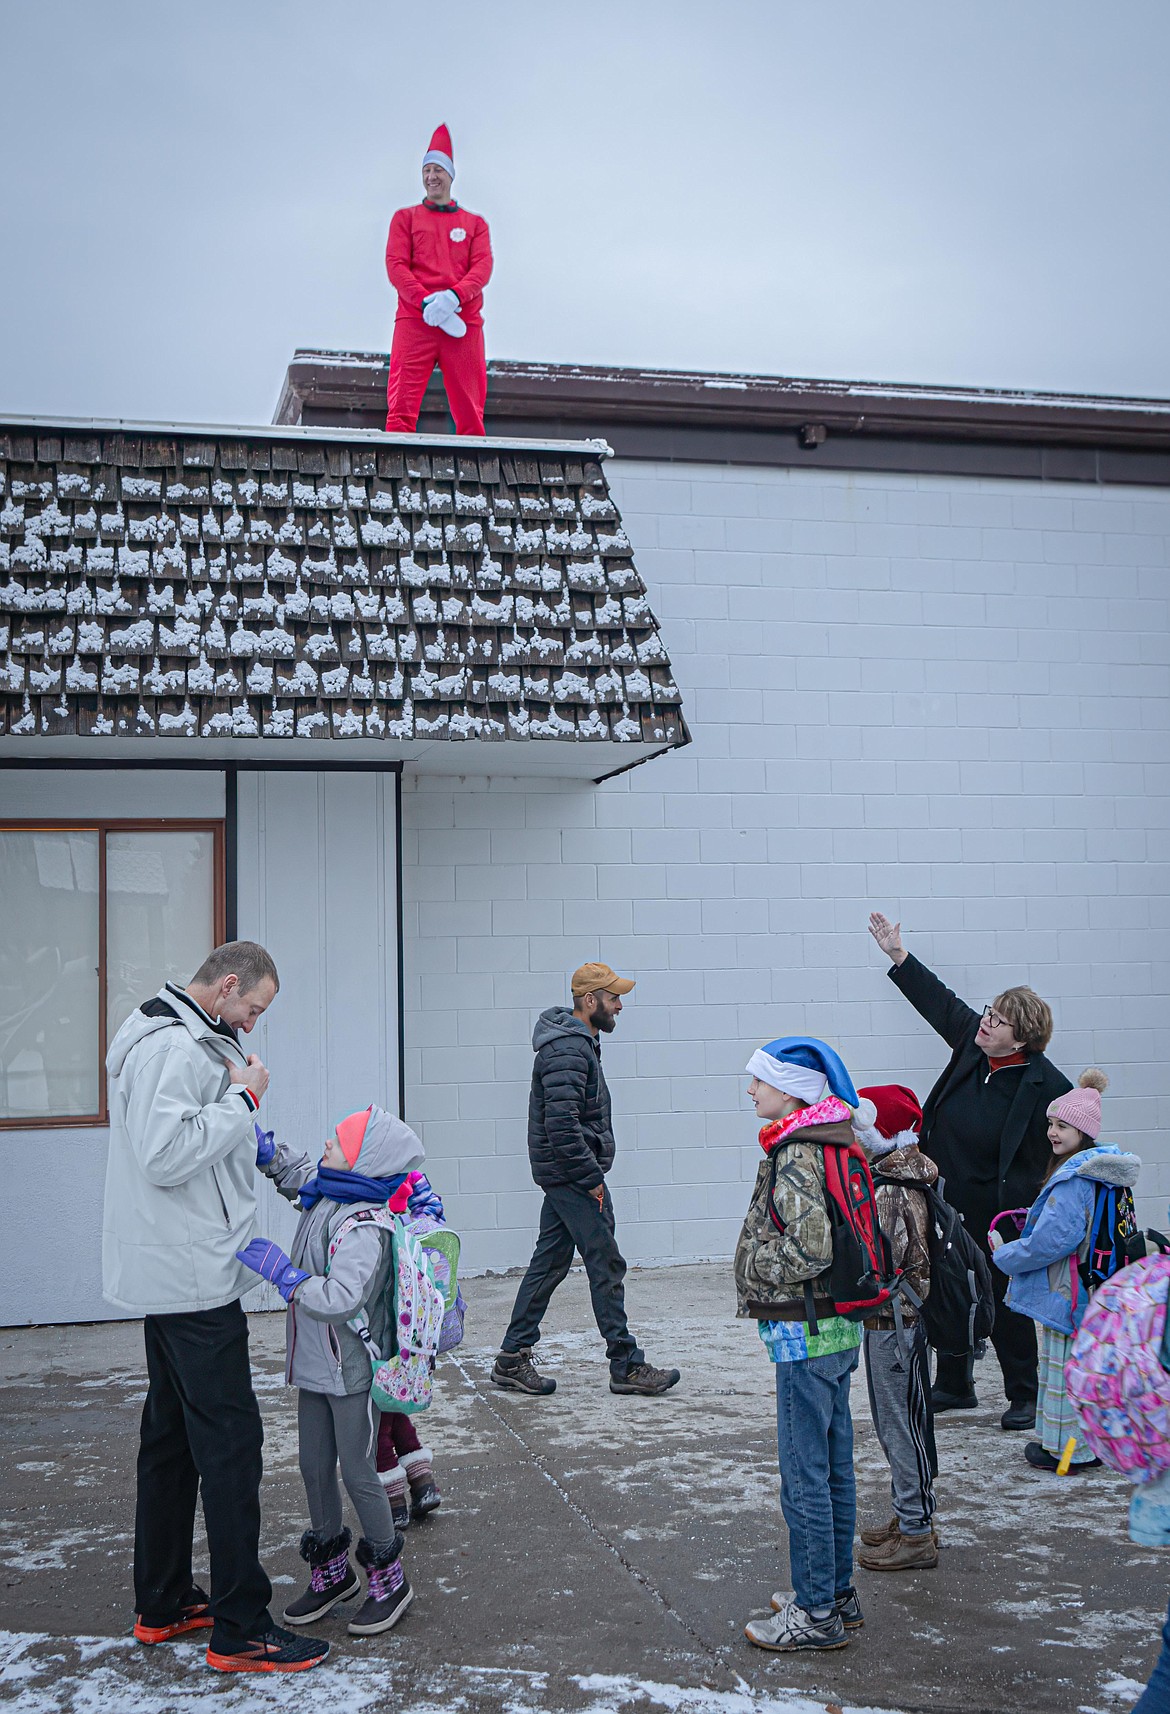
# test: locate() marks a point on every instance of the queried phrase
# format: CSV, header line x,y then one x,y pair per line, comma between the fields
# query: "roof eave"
x,y
353,382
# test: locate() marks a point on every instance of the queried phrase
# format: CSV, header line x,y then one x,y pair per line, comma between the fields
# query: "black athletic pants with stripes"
x,y
899,1399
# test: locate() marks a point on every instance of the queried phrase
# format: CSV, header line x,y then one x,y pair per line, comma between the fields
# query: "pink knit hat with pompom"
x,y
1082,1106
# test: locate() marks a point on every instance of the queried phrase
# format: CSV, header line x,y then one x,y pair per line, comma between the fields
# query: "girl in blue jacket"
x,y
1042,1261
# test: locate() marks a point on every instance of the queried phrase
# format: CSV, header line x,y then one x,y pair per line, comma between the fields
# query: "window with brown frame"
x,y
94,917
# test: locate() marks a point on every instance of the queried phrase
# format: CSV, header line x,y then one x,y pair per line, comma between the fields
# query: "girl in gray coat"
x,y
365,1161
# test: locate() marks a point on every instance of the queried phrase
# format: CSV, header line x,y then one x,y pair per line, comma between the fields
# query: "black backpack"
x,y
1112,1227
959,1311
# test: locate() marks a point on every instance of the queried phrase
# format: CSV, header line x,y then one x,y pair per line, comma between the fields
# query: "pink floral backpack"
x,y
1115,1377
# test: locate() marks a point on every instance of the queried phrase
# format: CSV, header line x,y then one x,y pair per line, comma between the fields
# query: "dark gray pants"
x,y
338,1431
899,1388
571,1220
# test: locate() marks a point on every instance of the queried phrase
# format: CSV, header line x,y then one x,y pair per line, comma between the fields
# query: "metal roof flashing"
x,y
301,431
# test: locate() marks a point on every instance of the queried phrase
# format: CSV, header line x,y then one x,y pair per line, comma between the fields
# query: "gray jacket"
x,y
180,1175
323,1355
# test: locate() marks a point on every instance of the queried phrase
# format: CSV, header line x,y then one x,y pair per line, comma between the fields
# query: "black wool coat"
x,y
570,1126
1022,1150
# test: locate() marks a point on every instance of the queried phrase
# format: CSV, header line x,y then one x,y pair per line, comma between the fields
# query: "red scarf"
x,y
1020,1057
827,1111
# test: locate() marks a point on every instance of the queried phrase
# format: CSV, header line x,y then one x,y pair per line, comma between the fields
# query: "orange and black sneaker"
x,y
193,1616
274,1651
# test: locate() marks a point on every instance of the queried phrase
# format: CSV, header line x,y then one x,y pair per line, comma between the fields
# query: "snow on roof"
x,y
268,584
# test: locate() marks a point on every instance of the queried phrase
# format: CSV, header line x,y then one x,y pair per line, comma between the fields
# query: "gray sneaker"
x,y
792,1628
644,1378
848,1606
517,1371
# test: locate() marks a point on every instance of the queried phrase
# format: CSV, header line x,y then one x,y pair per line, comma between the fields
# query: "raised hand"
x,y
270,1262
888,936
265,1145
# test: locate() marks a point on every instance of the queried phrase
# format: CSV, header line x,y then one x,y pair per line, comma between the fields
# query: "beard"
x,y
605,1020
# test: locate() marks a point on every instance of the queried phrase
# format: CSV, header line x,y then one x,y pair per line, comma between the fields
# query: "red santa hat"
x,y
440,151
896,1108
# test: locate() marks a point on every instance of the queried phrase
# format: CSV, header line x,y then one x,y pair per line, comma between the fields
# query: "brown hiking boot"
x,y
887,1532
645,1379
875,1537
517,1371
901,1553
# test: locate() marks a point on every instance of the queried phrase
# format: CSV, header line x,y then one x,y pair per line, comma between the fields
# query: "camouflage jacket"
x,y
772,1265
903,1216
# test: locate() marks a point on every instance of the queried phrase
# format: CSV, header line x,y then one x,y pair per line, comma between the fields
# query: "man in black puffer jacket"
x,y
571,1148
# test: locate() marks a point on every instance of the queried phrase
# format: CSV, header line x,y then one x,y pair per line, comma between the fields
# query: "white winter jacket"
x,y
180,1197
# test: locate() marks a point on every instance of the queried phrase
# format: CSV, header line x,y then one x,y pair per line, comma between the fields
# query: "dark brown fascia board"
x,y
354,383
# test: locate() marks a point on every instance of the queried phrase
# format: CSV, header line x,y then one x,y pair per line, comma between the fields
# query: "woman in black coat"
x,y
985,1124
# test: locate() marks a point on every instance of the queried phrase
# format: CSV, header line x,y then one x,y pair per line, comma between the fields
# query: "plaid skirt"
x,y
1055,1417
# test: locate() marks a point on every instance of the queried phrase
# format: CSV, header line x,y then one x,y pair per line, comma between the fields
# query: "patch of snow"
x,y
78,679
185,721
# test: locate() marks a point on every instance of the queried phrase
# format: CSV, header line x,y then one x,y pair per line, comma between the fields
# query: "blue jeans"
x,y
814,1433
1155,1698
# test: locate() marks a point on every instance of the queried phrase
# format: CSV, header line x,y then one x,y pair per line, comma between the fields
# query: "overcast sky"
x,y
945,191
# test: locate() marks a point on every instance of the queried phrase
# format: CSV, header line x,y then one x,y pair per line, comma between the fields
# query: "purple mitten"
x,y
265,1145
270,1262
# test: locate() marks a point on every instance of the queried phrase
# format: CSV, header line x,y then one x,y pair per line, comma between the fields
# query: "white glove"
x,y
439,307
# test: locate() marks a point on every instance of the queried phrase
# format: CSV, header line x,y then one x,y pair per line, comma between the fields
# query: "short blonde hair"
x,y
1030,1017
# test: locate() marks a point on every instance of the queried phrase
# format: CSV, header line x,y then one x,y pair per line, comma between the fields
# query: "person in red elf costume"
x,y
439,259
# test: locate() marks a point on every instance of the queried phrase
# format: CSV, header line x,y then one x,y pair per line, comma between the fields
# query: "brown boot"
x,y
875,1537
901,1553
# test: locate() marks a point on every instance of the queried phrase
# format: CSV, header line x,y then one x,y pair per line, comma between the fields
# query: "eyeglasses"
x,y
992,1018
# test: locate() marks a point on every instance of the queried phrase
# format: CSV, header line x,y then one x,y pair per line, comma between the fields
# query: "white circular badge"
x,y
457,235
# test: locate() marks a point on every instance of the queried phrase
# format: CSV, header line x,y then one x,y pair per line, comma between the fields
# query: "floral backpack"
x,y
1117,1375
442,1247
401,1382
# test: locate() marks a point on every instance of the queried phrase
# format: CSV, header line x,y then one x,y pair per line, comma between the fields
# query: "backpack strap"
x,y
810,1308
1081,1268
382,1218
363,1217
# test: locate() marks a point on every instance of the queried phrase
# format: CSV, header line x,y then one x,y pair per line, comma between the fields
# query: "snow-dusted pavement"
x,y
592,1553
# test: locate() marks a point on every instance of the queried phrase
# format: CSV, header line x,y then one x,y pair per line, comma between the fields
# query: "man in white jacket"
x,y
180,1201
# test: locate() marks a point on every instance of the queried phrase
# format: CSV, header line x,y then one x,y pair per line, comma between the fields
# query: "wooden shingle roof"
x,y
349,589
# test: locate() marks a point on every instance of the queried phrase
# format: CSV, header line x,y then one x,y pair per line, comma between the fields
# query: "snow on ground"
x,y
103,1675
593,1555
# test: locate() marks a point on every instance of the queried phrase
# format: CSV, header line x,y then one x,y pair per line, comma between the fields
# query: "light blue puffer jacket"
x,y
1057,1229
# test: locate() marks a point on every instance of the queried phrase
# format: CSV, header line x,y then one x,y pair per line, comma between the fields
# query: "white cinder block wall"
x,y
943,697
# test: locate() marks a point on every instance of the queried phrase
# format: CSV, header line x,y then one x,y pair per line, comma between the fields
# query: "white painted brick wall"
x,y
945,698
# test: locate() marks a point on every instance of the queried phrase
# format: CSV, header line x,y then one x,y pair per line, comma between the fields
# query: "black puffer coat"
x,y
570,1131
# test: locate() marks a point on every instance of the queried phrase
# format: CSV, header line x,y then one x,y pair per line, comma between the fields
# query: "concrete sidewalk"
x,y
591,1552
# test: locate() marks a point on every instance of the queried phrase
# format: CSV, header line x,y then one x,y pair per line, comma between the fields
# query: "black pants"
x,y
571,1220
1014,1340
201,1428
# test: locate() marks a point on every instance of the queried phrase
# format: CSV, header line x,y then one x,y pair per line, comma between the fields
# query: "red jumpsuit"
x,y
432,249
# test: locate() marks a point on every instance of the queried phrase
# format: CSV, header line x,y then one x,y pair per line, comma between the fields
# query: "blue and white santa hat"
x,y
805,1067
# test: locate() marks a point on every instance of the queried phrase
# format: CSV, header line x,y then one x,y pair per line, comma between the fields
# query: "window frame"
x,y
102,827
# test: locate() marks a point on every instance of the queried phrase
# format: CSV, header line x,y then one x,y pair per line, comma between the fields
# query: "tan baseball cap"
x,y
599,979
